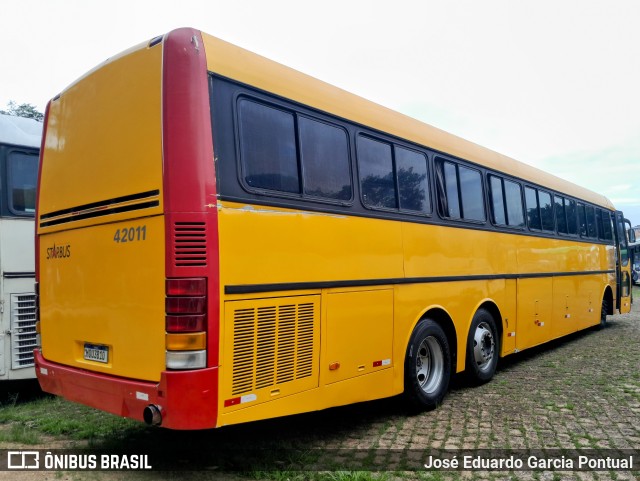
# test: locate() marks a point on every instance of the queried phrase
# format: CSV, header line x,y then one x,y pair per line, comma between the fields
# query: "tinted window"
x,y
324,152
23,171
591,221
497,200
546,210
561,219
472,197
460,193
268,147
582,220
413,181
572,221
376,173
511,213
533,213
607,231
451,191
513,194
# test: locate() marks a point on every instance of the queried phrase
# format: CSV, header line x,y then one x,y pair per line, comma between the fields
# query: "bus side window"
x,y
451,190
582,220
533,210
324,154
546,211
506,202
606,225
591,222
413,180
376,173
22,170
561,217
572,221
268,147
472,195
599,213
497,200
460,191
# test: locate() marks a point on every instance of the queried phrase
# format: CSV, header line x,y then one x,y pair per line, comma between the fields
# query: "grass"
x,y
20,434
26,421
318,476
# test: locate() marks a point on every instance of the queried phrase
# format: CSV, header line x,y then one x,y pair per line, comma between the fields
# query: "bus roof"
x,y
249,68
20,131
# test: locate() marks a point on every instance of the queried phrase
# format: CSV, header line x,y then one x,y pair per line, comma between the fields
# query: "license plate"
x,y
95,352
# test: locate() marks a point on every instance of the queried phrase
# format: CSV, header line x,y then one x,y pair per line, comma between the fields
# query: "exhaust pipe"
x,y
152,415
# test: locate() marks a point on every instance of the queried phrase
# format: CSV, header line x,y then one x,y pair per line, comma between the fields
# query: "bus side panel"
x,y
266,246
269,245
456,254
17,299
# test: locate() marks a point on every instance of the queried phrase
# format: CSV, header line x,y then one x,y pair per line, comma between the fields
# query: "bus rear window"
x,y
22,170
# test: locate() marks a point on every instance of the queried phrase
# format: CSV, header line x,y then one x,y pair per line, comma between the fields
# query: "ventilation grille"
x,y
190,244
23,330
272,345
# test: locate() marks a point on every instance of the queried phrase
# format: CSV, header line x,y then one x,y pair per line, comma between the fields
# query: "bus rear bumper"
x,y
186,399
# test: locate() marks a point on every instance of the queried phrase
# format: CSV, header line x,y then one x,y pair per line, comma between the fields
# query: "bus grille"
x,y
23,329
272,345
190,244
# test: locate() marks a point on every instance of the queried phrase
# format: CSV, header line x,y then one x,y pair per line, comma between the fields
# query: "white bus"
x,y
19,150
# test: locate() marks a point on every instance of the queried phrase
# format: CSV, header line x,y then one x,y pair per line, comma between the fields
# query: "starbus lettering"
x,y
59,252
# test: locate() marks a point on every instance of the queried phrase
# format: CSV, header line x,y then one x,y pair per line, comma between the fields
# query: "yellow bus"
x,y
223,239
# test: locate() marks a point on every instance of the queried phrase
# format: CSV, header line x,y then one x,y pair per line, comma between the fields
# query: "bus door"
x,y
623,265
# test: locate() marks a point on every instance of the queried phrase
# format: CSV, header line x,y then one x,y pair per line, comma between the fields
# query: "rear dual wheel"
x,y
482,348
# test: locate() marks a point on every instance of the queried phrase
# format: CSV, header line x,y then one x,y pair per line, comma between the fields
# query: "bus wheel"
x,y
603,314
482,348
427,367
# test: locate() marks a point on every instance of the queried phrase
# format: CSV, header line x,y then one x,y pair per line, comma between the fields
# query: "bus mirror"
x,y
631,232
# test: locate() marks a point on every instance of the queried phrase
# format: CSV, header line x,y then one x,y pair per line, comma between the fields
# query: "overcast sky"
x,y
554,83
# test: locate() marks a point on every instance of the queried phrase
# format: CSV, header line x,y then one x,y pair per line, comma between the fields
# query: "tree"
x,y
23,110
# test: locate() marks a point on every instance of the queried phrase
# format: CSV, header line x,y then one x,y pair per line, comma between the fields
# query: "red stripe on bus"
x,y
189,176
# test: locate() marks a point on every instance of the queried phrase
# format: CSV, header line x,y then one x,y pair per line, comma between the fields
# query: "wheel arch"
x,y
608,297
492,308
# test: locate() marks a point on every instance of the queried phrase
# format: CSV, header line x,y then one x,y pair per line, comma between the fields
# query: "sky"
x,y
553,83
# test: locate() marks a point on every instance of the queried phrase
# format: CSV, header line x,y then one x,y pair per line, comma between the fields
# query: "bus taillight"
x,y
187,287
185,323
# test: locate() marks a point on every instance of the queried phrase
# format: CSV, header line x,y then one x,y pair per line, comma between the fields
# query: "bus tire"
x,y
482,348
427,367
603,314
